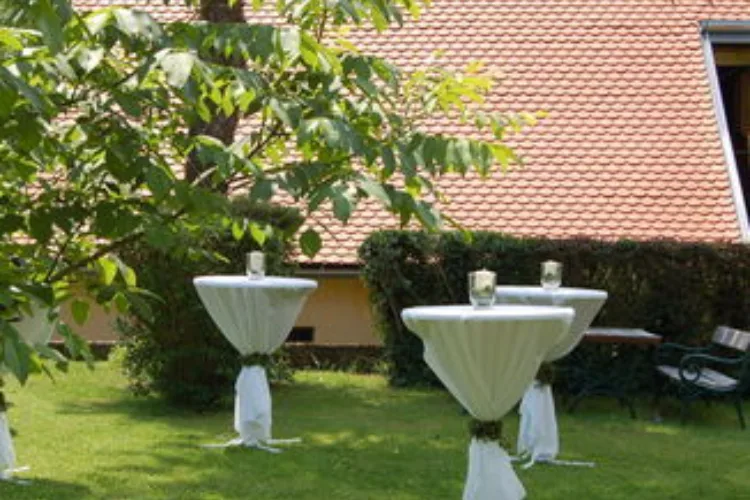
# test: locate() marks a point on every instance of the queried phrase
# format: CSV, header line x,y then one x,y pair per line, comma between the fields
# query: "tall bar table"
x,y
35,326
538,435
486,357
255,315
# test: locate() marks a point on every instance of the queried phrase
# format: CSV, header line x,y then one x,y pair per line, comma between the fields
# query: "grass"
x,y
85,436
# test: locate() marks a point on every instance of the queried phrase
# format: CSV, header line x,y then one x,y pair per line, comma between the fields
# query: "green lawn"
x,y
86,437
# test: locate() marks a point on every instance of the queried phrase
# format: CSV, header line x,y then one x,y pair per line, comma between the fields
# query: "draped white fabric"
x,y
538,435
255,316
486,358
7,455
490,474
252,406
585,302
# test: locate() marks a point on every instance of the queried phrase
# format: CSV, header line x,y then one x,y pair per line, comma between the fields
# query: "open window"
x,y
727,49
733,71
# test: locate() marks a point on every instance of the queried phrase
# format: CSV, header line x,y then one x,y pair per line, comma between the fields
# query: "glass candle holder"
x,y
255,265
551,276
482,288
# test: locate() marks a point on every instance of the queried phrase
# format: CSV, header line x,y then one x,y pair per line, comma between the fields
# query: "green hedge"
x,y
682,291
175,349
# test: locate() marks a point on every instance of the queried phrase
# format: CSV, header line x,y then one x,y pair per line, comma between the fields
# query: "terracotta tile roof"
x,y
631,146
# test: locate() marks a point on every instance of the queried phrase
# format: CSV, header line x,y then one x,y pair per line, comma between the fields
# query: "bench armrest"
x,y
692,365
669,353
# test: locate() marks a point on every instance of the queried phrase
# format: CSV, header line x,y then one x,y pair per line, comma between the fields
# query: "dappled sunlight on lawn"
x,y
85,436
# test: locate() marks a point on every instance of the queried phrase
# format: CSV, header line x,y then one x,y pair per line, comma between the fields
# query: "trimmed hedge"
x,y
679,290
176,350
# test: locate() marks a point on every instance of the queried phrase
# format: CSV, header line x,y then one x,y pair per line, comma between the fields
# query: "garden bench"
x,y
721,369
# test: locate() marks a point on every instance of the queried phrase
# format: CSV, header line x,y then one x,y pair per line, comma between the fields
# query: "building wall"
x,y
99,327
338,310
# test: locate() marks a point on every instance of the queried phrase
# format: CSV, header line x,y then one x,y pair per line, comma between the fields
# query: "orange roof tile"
x,y
630,148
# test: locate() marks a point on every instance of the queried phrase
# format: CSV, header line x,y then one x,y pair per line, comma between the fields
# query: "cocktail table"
x,y
486,357
255,316
538,436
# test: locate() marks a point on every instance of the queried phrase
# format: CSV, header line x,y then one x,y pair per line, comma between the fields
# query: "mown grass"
x,y
85,436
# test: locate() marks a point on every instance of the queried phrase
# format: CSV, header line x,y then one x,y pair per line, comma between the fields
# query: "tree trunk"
x,y
221,127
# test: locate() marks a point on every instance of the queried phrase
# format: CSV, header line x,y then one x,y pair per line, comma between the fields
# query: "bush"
x,y
173,346
679,290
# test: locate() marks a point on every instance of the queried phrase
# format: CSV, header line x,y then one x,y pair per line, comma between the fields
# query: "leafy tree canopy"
x,y
95,109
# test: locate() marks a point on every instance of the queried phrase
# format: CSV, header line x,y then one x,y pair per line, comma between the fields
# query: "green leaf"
x,y
376,190
127,273
177,66
140,306
16,354
138,24
10,39
237,230
258,234
51,353
40,226
28,92
310,50
75,344
49,23
98,20
158,181
121,302
342,206
80,310
108,270
289,42
262,190
310,242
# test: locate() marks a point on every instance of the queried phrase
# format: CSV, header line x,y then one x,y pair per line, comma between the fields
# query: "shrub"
x,y
679,290
173,346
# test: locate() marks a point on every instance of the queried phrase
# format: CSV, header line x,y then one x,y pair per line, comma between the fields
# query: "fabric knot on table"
x,y
484,430
547,374
257,359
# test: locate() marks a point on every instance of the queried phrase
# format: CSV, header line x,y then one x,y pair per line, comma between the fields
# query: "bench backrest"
x,y
732,338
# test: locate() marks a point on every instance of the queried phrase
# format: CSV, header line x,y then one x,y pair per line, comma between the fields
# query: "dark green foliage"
x,y
173,346
679,290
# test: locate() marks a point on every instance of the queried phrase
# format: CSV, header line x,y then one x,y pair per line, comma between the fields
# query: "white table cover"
x,y
538,435
486,358
256,317
7,454
34,327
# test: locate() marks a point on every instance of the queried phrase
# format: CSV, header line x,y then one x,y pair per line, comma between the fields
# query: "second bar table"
x,y
538,437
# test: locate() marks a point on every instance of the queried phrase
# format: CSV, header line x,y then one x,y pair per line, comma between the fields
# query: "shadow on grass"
x,y
306,395
37,489
343,465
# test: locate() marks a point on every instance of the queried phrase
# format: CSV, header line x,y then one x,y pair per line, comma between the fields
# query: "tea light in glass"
x,y
551,275
482,288
255,265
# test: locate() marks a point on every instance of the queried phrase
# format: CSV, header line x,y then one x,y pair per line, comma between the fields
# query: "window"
x,y
727,50
301,334
733,71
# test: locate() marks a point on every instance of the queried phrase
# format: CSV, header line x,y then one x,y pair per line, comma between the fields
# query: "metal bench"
x,y
721,369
